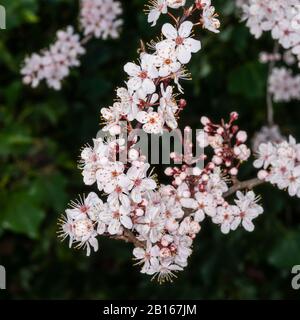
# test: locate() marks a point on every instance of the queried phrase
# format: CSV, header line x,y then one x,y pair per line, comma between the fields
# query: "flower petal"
x,y
185,29
169,31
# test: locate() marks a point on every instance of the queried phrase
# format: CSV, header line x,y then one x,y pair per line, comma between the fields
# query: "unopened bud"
x,y
182,103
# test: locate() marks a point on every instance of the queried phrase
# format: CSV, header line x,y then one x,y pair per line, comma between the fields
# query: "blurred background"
x,y
41,132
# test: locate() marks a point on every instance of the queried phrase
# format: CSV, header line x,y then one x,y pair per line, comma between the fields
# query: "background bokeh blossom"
x,y
41,132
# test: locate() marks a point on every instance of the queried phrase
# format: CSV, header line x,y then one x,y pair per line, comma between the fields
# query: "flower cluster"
x,y
136,209
100,18
280,165
207,187
228,143
162,221
207,18
283,85
54,64
281,17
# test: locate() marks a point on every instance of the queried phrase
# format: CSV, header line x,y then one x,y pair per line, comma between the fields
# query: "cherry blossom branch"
x,y
129,237
243,185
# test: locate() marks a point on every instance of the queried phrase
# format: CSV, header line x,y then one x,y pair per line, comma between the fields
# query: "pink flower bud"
x,y
197,171
242,136
234,116
217,160
182,103
262,174
233,171
169,171
205,121
133,154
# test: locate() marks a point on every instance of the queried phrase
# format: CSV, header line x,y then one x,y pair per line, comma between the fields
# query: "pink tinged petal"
x,y
126,222
92,199
152,72
165,49
189,203
175,66
114,227
139,253
123,181
211,211
199,216
183,55
134,83
89,178
148,86
165,71
136,195
132,173
169,31
192,45
142,117
94,243
225,227
149,184
235,223
185,29
172,123
124,199
101,228
153,17
132,69
109,187
293,188
248,225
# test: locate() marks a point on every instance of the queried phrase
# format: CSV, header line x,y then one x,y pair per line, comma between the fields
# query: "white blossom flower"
x,y
209,19
225,216
151,225
139,183
141,77
181,40
146,256
153,122
168,107
157,8
248,210
85,207
205,205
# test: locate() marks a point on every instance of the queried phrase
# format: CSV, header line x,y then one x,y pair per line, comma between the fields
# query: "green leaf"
x,y
286,253
248,80
22,215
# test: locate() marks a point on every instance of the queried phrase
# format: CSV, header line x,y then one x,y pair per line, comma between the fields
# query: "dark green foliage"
x,y
41,132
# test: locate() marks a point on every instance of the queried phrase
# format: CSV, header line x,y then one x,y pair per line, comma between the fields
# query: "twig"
x,y
242,185
129,236
86,39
